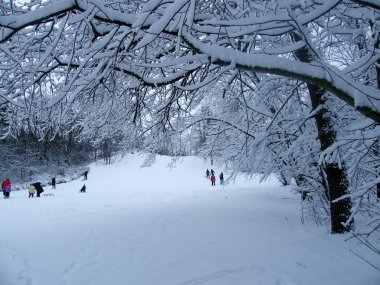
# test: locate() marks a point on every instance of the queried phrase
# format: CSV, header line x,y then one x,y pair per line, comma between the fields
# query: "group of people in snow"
x,y
212,177
37,188
34,187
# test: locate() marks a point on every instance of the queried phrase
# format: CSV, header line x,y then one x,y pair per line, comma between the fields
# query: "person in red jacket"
x,y
212,180
5,186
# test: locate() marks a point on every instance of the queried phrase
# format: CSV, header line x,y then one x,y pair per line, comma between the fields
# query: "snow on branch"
x,y
366,99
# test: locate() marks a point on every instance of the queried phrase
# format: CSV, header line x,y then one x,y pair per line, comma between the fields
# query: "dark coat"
x,y
53,181
38,187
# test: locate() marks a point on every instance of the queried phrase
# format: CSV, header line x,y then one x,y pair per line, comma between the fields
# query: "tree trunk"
x,y
336,176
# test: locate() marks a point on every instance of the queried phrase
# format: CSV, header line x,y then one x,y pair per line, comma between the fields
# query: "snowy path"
x,y
161,226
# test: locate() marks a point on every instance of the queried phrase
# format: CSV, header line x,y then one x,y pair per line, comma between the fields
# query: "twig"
x,y
362,258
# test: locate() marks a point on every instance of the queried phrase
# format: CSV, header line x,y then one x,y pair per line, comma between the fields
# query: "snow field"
x,y
169,226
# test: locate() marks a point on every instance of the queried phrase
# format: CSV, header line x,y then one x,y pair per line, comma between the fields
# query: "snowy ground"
x,y
169,226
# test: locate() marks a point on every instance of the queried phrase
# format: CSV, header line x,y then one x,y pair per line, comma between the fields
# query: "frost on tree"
x,y
152,68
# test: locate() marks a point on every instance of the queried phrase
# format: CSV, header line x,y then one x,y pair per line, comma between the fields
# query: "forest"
x,y
284,87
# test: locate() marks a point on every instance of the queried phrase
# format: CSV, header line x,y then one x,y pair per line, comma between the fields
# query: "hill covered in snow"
x,y
162,225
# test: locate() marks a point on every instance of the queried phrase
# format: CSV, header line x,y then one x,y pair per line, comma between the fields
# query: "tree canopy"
x,y
289,87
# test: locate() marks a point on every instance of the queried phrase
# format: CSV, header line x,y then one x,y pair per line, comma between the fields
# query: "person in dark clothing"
x,y
221,177
207,174
53,183
212,172
83,189
39,188
85,175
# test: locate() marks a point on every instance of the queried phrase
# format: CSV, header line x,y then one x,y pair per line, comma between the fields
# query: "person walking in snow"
x,y
85,175
212,180
212,172
207,174
31,190
221,177
53,183
6,187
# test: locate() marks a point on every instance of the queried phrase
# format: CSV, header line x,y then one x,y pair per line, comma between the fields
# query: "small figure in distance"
x,y
85,175
6,186
212,180
221,177
212,172
83,189
53,183
207,174
39,188
31,190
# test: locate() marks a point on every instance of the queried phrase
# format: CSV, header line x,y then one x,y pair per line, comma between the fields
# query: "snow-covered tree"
x,y
161,61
